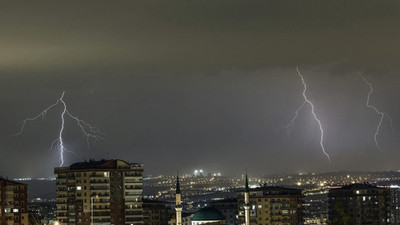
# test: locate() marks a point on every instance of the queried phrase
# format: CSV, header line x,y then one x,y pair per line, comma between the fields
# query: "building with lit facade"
x,y
100,192
395,205
13,203
270,205
359,204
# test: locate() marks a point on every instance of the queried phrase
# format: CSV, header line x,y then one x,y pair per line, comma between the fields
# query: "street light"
x,y
91,207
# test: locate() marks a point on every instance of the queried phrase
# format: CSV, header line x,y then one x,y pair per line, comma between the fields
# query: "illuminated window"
x,y
78,188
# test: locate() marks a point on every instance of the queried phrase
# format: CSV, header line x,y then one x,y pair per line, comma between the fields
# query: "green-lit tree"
x,y
342,218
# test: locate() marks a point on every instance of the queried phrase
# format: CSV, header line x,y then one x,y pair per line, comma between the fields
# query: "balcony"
x,y
99,181
100,195
98,175
101,210
134,187
100,188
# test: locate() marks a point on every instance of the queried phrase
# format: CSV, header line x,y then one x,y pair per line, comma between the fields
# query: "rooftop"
x,y
359,186
100,165
4,181
275,190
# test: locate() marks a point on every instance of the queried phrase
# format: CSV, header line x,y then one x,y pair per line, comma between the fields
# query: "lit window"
x,y
78,188
15,210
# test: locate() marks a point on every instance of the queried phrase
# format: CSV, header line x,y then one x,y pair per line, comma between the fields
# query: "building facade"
x,y
269,205
229,208
395,205
155,212
13,203
100,192
359,204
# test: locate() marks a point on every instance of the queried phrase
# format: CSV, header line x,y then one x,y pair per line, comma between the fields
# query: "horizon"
x,y
303,173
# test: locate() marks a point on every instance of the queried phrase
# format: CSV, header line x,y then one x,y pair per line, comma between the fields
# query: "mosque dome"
x,y
208,214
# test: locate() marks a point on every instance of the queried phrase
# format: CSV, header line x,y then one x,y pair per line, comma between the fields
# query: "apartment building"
x,y
100,192
13,203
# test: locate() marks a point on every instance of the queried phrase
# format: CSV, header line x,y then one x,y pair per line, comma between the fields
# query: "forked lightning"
x,y
89,131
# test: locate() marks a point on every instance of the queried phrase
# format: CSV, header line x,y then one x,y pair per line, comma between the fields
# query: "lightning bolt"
x,y
89,131
307,101
289,127
381,114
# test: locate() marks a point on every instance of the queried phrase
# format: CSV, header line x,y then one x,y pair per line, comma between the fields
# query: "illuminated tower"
x,y
178,206
247,202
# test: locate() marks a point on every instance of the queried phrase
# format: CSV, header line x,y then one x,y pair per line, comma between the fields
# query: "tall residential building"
x,y
100,192
270,205
13,203
359,204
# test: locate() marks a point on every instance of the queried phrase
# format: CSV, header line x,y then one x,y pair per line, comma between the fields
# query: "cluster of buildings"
x,y
110,192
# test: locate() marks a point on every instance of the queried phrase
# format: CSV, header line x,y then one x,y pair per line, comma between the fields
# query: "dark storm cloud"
x,y
197,35
205,82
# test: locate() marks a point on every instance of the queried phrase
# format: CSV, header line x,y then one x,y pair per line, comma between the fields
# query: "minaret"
x,y
178,203
247,202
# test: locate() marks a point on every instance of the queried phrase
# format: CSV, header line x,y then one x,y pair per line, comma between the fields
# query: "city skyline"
x,y
208,85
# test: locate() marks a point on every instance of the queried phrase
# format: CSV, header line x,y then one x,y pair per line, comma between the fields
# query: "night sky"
x,y
180,85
